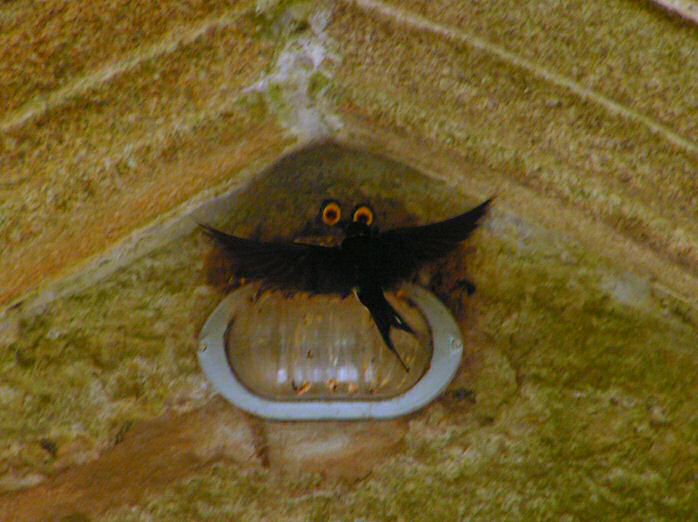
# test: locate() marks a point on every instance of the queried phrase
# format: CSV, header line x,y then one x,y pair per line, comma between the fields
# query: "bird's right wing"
x,y
292,266
404,250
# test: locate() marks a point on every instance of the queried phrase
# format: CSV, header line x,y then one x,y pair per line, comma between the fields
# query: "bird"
x,y
367,262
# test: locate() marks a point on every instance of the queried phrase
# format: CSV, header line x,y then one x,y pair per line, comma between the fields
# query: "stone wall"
x,y
122,125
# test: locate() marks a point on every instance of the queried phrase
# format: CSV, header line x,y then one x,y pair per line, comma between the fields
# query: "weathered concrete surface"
x,y
144,460
125,122
576,399
150,456
527,117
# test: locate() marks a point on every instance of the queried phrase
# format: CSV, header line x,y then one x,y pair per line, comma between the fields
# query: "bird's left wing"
x,y
403,250
293,266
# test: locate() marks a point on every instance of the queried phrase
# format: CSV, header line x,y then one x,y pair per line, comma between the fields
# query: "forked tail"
x,y
385,317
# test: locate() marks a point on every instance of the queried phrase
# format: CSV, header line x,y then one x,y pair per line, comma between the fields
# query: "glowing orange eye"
x,y
331,213
363,214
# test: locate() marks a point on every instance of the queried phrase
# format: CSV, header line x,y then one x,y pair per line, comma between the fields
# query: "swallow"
x,y
367,262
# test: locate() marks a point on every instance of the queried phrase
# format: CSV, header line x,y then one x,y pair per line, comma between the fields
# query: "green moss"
x,y
255,105
318,84
222,493
279,19
591,340
276,95
89,363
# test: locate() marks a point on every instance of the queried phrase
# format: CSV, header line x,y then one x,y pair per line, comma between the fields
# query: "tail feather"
x,y
399,322
384,330
385,317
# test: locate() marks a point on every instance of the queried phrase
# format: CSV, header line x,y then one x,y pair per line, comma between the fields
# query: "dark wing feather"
x,y
404,250
293,266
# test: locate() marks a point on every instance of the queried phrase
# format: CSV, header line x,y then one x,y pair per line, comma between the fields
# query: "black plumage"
x,y
368,261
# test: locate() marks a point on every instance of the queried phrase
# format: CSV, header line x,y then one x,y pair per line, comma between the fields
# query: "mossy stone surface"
x,y
576,399
570,402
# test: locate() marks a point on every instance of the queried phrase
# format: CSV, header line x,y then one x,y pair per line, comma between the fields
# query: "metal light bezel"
x,y
446,358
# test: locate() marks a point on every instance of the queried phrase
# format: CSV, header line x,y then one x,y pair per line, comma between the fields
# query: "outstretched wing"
x,y
293,266
403,250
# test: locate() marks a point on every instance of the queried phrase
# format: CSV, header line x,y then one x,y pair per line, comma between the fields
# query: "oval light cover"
x,y
320,357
